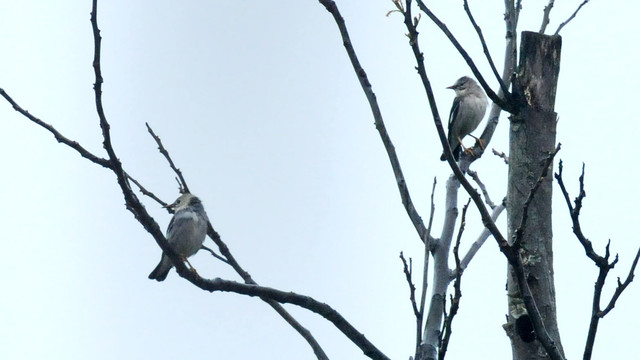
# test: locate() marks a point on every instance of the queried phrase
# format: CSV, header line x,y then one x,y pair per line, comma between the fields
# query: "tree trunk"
x,y
532,138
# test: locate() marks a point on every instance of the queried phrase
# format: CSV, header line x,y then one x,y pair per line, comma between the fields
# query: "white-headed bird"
x,y
186,232
467,112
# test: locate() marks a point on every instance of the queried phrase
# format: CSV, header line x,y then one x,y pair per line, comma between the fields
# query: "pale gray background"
x,y
260,108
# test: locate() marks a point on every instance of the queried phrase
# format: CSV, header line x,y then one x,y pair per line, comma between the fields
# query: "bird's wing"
x,y
455,108
178,220
454,111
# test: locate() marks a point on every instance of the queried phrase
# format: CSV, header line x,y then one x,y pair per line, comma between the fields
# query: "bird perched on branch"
x,y
467,112
186,232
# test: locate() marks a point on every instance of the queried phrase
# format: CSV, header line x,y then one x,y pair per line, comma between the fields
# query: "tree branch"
x,y
602,262
455,299
183,183
545,16
570,17
482,238
483,188
59,137
407,269
503,87
425,271
377,115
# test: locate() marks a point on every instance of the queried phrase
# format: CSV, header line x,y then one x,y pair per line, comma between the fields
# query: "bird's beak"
x,y
171,206
452,87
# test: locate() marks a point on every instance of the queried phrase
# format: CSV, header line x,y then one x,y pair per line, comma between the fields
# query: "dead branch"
x,y
407,269
602,262
570,17
377,115
545,16
503,87
502,155
457,292
183,183
483,188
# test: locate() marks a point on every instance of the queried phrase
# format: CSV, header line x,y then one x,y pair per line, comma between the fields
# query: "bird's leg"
x,y
468,151
479,141
184,259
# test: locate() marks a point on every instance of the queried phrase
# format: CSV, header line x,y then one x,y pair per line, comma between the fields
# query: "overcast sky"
x,y
260,108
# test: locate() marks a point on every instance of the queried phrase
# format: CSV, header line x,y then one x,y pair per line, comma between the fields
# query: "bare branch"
x,y
425,271
482,238
285,297
455,299
148,193
545,16
502,155
503,87
621,286
571,17
213,253
483,188
377,115
59,137
182,182
412,288
602,262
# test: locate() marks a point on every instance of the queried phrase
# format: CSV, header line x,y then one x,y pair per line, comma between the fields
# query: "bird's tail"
x,y
456,154
162,270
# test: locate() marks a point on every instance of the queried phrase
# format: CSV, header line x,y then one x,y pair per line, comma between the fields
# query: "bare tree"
x,y
527,93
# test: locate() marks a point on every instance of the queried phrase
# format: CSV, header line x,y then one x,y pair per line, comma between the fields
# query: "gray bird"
x,y
467,112
186,232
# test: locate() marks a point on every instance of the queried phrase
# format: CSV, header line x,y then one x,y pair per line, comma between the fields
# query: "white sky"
x,y
259,107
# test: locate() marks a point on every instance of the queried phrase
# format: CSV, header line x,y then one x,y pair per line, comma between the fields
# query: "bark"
x,y
532,138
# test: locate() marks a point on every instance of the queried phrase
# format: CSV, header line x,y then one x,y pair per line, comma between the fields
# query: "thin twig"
x,y
425,271
570,17
503,87
545,16
412,288
473,249
621,286
148,193
59,137
455,299
502,155
213,253
182,182
483,188
377,115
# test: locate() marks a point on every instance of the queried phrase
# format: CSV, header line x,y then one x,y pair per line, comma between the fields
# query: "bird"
x,y
186,232
467,111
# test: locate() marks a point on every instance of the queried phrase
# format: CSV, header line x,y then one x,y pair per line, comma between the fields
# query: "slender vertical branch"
x,y
503,87
457,292
602,262
163,151
545,16
570,17
377,115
